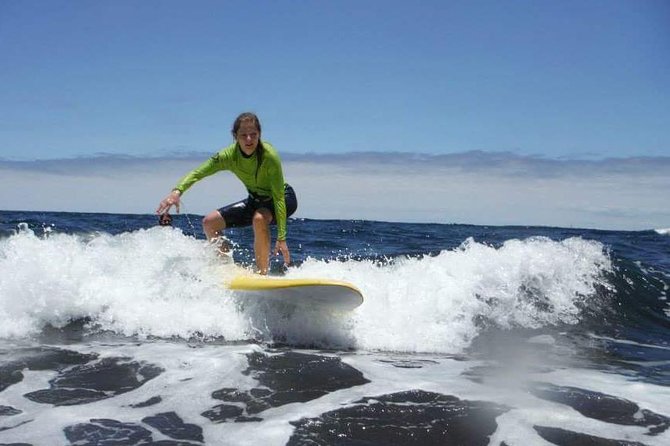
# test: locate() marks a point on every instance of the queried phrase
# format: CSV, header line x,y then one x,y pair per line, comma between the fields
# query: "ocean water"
x,y
114,331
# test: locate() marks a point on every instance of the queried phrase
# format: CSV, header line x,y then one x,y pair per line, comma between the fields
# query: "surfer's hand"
x,y
282,247
171,200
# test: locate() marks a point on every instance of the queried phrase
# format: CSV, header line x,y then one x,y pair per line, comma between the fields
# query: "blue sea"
x,y
115,331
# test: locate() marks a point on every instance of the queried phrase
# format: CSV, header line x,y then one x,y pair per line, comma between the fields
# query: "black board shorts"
x,y
242,212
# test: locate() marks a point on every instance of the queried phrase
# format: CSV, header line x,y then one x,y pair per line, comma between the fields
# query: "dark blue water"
x,y
583,345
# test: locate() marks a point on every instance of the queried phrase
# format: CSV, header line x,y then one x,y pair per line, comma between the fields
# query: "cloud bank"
x,y
473,187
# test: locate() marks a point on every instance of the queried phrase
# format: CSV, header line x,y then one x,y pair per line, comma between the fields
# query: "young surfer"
x,y
257,164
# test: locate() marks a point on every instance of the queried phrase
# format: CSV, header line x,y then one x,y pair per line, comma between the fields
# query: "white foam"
x,y
160,282
665,231
542,339
432,304
192,374
149,282
627,342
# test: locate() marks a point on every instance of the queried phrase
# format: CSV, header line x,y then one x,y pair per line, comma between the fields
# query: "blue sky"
x,y
568,79
529,112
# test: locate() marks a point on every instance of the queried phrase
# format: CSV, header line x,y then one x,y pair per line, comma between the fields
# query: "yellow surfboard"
x,y
331,294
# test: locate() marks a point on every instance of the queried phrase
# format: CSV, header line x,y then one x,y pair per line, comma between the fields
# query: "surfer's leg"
x,y
234,215
261,224
213,224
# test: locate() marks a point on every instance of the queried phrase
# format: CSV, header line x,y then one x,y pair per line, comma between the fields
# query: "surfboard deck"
x,y
331,294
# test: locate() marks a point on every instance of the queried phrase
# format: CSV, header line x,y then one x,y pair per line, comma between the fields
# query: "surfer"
x,y
271,201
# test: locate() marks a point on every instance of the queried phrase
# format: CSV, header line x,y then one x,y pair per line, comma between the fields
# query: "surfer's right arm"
x,y
171,200
209,167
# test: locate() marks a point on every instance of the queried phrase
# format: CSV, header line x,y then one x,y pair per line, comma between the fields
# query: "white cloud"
x,y
473,187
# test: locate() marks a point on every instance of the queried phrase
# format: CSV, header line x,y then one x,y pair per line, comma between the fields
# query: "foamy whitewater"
x,y
157,282
115,331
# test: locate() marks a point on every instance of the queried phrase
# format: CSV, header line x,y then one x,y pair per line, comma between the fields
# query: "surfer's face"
x,y
247,137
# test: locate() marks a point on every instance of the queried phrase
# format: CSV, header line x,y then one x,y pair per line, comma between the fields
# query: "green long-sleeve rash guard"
x,y
268,183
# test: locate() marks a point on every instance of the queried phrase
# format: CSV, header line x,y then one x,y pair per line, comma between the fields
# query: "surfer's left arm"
x,y
277,186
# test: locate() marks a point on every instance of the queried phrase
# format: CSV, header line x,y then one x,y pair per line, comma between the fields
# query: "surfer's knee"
x,y
261,219
208,220
212,223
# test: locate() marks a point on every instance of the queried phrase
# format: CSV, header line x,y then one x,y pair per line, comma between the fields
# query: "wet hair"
x,y
245,117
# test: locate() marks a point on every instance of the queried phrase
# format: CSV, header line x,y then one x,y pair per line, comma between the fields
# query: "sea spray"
x,y
434,303
154,282
159,282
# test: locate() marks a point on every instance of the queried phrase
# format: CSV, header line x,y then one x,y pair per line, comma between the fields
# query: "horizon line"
x,y
356,220
292,156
